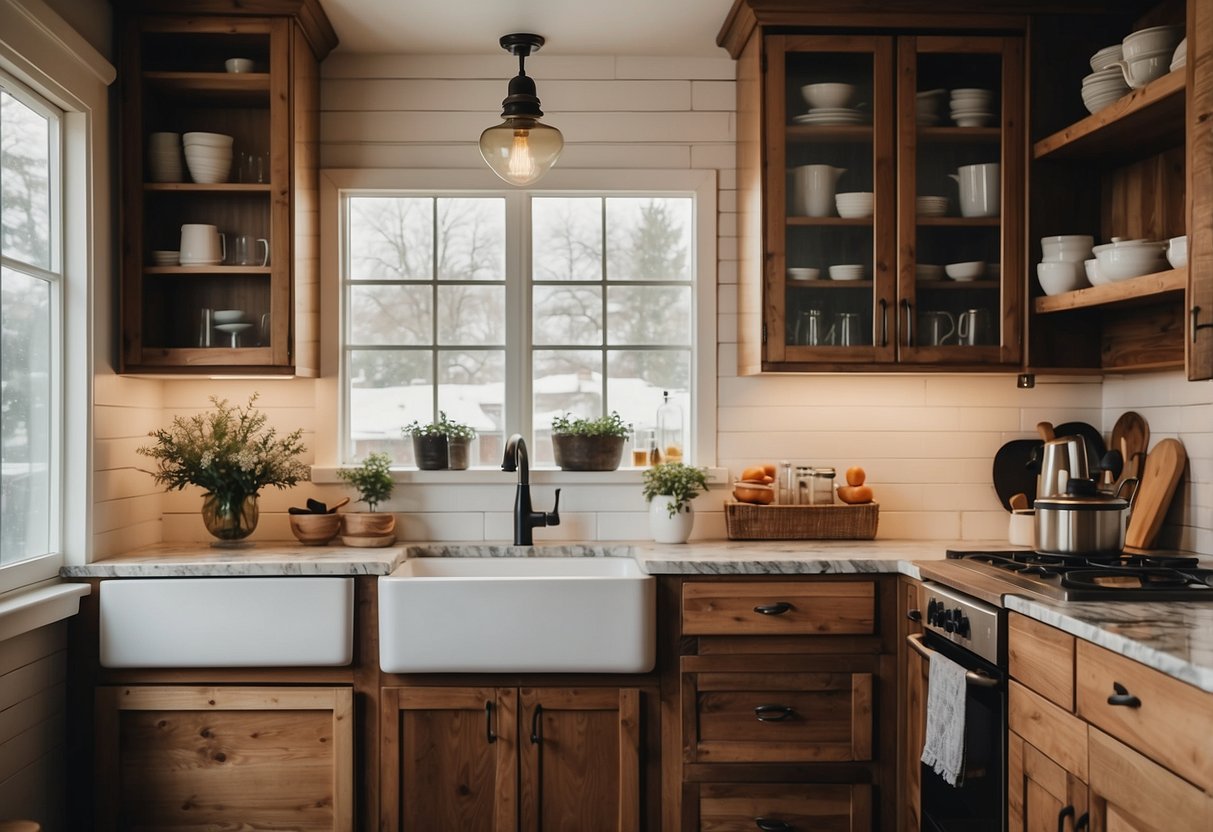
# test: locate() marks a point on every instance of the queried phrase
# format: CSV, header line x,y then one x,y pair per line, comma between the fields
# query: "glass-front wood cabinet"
x,y
219,232
883,176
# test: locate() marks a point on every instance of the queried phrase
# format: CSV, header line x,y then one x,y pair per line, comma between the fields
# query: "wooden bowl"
x,y
315,529
367,530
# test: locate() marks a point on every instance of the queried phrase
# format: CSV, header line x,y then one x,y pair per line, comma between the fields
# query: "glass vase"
x,y
230,517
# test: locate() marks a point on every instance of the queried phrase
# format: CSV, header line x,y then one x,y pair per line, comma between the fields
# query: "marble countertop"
x,y
1175,637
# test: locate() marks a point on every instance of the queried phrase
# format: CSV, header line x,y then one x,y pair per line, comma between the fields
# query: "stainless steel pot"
x,y
1061,460
1081,524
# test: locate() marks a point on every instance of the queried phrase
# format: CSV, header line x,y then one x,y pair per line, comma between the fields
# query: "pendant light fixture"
x,y
521,149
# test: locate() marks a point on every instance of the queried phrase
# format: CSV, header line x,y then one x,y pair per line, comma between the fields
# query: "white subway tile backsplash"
x,y
984,525
714,69
918,525
721,156
714,95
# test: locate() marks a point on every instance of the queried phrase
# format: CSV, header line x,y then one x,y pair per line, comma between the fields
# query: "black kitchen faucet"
x,y
525,520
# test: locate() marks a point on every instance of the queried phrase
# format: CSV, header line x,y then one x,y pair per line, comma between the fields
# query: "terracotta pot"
x,y
367,529
430,452
587,453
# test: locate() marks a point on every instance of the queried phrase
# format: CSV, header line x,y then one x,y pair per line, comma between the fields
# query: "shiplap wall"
x,y
926,441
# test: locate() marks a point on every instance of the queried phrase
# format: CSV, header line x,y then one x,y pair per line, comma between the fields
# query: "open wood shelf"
x,y
828,221
960,222
1146,119
208,270
959,134
207,82
829,133
218,187
830,284
956,284
1159,286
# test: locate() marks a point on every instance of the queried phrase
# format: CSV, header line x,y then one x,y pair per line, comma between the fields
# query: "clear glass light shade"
x,y
521,151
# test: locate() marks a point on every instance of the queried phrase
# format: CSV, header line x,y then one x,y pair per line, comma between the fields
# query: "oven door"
x,y
979,801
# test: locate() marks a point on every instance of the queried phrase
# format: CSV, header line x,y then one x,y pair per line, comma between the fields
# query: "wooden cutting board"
x,y
1130,436
1164,466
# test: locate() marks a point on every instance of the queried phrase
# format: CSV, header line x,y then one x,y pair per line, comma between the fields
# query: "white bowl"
x,y
1121,262
1142,70
827,95
227,316
1091,267
1177,252
238,64
974,121
1056,278
1153,39
803,273
931,206
927,271
847,272
854,205
208,139
1106,57
971,92
969,270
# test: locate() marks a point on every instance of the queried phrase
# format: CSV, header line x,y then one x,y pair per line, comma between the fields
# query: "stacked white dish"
x,y
964,272
1062,269
1106,58
828,104
231,322
927,107
1180,58
855,205
926,271
823,116
931,206
1177,252
208,157
1124,259
164,157
1102,87
973,107
164,257
846,272
803,273
1148,53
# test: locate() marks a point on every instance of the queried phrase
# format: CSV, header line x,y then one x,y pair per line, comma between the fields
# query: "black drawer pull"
x,y
1083,821
773,713
1122,697
772,825
778,608
1066,812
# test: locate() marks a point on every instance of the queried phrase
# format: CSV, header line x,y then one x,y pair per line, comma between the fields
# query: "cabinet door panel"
x,y
186,758
580,759
449,759
1041,794
1129,793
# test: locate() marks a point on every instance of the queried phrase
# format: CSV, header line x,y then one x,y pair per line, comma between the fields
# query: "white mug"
x,y
980,189
202,245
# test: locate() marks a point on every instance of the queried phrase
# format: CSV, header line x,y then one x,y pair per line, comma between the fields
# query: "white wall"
x,y
926,441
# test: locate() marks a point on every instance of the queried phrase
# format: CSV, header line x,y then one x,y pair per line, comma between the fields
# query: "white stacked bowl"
x,y
1067,248
1147,67
1180,58
1058,277
972,107
1093,276
1101,88
1150,41
855,205
1106,57
828,94
208,156
164,157
1177,252
1125,259
846,272
966,271
931,206
1061,268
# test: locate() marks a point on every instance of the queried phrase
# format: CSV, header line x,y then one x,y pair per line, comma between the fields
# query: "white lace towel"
x,y
944,749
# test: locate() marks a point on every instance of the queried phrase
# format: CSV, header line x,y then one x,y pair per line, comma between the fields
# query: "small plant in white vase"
x,y
669,489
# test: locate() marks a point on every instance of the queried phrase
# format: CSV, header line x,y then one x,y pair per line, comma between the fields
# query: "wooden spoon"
x,y
1045,429
333,508
1161,475
1019,502
1130,436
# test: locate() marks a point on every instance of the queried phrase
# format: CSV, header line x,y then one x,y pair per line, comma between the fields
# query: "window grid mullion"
x,y
606,405
434,307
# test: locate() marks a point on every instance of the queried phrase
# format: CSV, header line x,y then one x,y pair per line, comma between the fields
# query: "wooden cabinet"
x,y
178,758
890,136
175,88
1102,740
912,707
1139,168
499,759
785,704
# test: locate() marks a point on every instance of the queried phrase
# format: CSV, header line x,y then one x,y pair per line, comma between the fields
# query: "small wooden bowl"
x,y
315,529
368,530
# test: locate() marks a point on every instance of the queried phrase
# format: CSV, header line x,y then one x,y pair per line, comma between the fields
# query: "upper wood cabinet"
x,y
830,279
175,81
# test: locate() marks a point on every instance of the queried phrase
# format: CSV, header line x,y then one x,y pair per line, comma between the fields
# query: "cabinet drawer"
x,y
727,807
1167,720
785,608
778,717
1060,735
1042,657
1128,792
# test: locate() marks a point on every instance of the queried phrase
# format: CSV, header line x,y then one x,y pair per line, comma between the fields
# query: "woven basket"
x,y
745,521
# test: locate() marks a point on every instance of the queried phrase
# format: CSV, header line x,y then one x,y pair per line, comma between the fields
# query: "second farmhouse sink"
x,y
517,615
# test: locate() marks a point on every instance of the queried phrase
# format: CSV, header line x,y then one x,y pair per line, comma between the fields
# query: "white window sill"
x,y
29,608
327,475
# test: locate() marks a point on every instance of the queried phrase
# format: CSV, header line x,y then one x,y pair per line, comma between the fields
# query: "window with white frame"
x,y
503,310
31,278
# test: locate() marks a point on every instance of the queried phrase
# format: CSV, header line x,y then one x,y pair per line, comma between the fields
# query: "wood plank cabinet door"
x,y
1042,796
914,716
187,758
1130,793
580,759
449,759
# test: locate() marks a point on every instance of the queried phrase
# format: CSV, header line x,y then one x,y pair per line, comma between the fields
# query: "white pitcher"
x,y
813,190
202,245
980,189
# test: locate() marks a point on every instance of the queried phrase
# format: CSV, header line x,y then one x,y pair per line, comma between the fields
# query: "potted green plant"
x,y
231,455
373,480
671,519
588,444
441,444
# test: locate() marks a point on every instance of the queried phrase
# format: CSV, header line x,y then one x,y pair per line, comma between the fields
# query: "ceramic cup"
x,y
979,189
202,245
1022,528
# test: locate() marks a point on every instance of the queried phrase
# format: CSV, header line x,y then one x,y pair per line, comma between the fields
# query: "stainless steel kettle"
x,y
1061,460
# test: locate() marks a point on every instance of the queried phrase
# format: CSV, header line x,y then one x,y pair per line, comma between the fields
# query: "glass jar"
x,y
669,429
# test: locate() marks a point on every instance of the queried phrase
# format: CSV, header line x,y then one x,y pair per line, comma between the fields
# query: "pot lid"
x,y
1071,502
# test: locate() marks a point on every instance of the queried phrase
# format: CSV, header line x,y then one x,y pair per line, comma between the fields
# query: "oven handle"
x,y
972,677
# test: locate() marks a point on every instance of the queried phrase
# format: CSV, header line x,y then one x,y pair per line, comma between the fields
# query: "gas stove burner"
x,y
1164,561
1147,581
